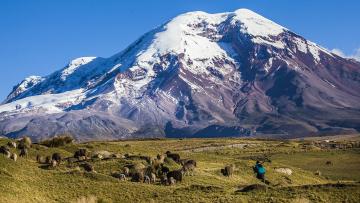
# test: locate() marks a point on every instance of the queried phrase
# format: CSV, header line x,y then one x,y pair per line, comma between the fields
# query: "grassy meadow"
x,y
28,181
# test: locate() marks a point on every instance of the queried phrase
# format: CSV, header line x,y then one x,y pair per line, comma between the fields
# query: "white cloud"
x,y
354,55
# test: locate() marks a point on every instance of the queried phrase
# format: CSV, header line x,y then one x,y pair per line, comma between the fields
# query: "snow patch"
x,y
29,82
256,25
51,103
73,65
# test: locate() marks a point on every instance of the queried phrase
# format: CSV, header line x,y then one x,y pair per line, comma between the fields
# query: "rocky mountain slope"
x,y
200,74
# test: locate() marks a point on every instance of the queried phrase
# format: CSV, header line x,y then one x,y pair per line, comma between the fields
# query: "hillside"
x,y
28,181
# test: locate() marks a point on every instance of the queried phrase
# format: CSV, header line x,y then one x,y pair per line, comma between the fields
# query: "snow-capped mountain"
x,y
200,74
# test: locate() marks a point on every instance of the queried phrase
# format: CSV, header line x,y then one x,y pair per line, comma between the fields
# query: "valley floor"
x,y
28,181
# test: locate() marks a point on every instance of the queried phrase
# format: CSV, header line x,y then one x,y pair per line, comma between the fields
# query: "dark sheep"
x,y
80,153
329,163
188,168
56,157
164,170
23,152
173,156
88,167
190,161
228,171
137,177
177,175
4,149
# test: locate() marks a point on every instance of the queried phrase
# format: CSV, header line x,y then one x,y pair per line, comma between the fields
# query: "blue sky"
x,y
40,36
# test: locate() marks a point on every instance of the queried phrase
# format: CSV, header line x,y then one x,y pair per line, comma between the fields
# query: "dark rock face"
x,y
237,75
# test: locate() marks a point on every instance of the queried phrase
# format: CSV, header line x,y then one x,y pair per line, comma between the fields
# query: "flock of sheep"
x,y
155,169
23,146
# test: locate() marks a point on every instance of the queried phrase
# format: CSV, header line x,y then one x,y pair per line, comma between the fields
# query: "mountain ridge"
x,y
234,73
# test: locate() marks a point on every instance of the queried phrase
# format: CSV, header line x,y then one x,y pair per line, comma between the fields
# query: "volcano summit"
x,y
200,74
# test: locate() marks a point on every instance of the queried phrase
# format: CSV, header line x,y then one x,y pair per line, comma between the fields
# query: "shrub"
x,y
58,141
25,143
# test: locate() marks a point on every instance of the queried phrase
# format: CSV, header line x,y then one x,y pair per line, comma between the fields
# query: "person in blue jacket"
x,y
259,169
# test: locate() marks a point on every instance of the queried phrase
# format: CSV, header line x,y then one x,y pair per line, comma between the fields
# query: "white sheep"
x,y
286,171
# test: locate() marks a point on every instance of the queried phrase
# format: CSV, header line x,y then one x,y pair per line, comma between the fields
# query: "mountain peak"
x,y
257,25
74,64
197,74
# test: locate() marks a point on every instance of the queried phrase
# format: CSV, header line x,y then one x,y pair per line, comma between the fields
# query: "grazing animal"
x,y
177,175
88,167
23,152
152,178
164,170
163,179
147,179
160,158
53,163
11,144
14,156
126,171
190,161
172,181
173,156
7,154
286,171
56,157
102,154
80,152
40,159
228,171
188,168
137,177
149,170
329,163
3,149
318,173
48,160
120,176
6,151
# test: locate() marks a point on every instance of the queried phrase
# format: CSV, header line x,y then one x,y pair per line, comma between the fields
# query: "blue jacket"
x,y
260,169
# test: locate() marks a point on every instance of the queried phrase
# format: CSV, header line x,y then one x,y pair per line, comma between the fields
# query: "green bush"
x,y
25,143
58,141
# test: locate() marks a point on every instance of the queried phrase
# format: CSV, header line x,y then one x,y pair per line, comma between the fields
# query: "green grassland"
x,y
28,181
